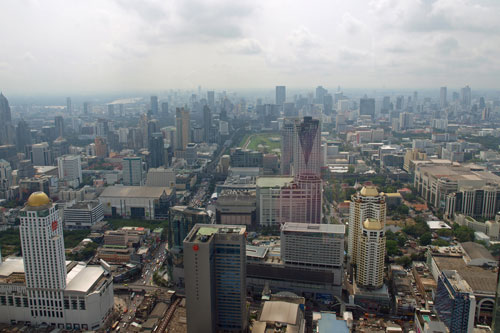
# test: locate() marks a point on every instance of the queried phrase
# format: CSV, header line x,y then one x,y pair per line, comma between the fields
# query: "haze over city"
x,y
52,47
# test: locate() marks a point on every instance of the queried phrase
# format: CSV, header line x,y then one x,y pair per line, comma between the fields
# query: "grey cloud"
x,y
246,46
447,45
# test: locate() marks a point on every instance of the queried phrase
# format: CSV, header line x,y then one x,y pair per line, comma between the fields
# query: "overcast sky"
x,y
60,46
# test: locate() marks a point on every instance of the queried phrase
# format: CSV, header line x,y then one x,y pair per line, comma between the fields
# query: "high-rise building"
x,y
307,147
164,109
5,175
86,108
23,135
70,169
405,120
182,128
207,123
287,144
300,200
59,124
111,110
211,99
69,109
455,302
215,275
154,105
133,171
101,147
320,94
370,266
41,288
367,107
386,104
443,102
41,154
365,204
6,130
156,150
280,95
466,96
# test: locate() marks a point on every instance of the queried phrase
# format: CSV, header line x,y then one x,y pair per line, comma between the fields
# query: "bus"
x,y
115,325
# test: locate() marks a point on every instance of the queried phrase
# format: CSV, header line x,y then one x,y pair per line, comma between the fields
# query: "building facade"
x,y
133,171
370,267
215,265
70,170
83,214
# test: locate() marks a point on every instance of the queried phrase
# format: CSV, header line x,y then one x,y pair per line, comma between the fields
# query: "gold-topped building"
x,y
367,213
370,268
38,199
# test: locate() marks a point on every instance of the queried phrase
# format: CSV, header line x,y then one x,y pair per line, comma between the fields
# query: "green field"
x,y
264,142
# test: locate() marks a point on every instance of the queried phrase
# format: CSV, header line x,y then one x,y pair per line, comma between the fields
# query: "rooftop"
x,y
135,191
314,228
84,205
203,232
369,191
273,181
477,251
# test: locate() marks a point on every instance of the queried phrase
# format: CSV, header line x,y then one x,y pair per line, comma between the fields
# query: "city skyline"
x,y
87,48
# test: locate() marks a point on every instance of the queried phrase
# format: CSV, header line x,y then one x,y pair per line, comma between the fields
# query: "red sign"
x,y
54,225
196,247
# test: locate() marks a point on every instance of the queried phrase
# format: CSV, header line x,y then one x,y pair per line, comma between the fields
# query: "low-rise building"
x,y
83,214
145,202
236,207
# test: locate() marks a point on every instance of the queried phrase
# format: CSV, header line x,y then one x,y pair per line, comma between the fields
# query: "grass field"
x,y
264,142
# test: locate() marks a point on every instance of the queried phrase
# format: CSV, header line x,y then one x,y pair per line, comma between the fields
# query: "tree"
x,y
404,261
425,239
391,247
440,242
401,239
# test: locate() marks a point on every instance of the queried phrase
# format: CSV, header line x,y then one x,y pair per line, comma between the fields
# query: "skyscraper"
x,y
287,144
164,109
207,123
6,130
367,107
365,204
320,94
307,148
156,150
370,266
215,275
154,105
133,171
23,136
101,147
111,110
69,108
59,123
443,102
86,108
211,99
405,120
70,169
280,95
182,128
455,302
41,154
465,96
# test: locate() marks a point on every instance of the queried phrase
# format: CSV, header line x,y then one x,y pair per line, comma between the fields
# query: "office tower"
x,y
164,109
455,302
300,200
328,103
207,123
60,147
59,124
287,144
70,169
307,148
443,102
215,275
485,114
367,107
367,203
120,110
6,132
154,105
101,147
182,128
43,288
320,94
482,103
111,110
405,121
465,96
133,171
23,135
211,98
399,103
25,169
386,104
156,150
86,108
5,176
69,109
280,95
370,266
289,110
41,154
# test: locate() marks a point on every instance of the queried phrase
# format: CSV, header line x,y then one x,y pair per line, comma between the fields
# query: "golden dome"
x,y
38,199
369,191
372,224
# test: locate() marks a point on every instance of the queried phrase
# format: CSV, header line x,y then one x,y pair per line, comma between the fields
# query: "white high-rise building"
x,y
370,267
5,174
133,171
443,102
367,203
70,169
41,154
41,287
